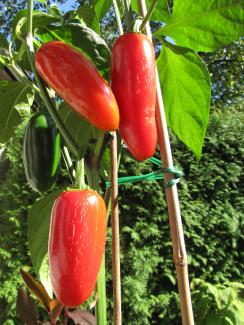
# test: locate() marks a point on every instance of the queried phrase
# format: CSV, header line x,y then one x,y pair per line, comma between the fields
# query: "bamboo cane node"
x,y
176,175
180,261
179,253
180,258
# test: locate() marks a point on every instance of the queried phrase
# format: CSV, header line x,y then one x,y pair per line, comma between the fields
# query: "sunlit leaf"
x,y
101,7
3,41
44,275
54,10
82,37
80,130
38,229
186,90
205,25
40,19
14,96
160,13
90,17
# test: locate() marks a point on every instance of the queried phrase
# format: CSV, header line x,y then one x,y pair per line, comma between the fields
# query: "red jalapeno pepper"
x,y
133,81
75,79
76,244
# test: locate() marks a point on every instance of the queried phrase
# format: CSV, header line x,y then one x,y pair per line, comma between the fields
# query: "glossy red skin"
x,y
75,79
133,81
76,244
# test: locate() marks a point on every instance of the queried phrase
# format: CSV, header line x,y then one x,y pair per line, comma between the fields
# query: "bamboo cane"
x,y
115,232
178,242
115,211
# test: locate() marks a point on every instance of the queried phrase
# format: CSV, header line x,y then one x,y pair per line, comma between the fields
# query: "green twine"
x,y
155,161
159,174
176,175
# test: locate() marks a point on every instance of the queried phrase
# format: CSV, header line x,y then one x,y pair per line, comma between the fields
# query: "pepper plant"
x,y
184,29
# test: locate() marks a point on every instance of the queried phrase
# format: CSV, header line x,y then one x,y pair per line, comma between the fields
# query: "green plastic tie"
x,y
155,161
175,172
157,175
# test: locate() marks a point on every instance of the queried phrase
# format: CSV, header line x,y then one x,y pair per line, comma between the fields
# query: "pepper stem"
x,y
80,174
93,180
148,15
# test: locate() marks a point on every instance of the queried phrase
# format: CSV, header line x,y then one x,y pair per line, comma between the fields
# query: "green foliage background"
x,y
15,197
212,211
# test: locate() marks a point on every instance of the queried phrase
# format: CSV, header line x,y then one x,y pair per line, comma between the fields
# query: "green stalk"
x,y
69,164
93,163
20,53
117,15
128,13
148,15
80,175
43,92
93,181
101,318
22,76
101,305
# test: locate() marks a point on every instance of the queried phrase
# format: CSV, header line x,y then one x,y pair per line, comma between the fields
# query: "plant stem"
x,y
101,282
148,15
97,150
129,16
69,164
179,251
80,174
93,181
66,316
43,92
20,53
22,77
93,163
29,17
117,15
101,305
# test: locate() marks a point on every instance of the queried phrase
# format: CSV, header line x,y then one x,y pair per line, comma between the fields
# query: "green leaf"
x,y
160,13
105,165
38,229
80,130
186,90
204,25
3,41
44,275
82,37
214,319
54,11
90,17
3,61
40,19
14,96
3,51
101,7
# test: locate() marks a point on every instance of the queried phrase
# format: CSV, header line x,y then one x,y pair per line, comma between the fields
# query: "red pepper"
x,y
75,79
76,244
133,81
